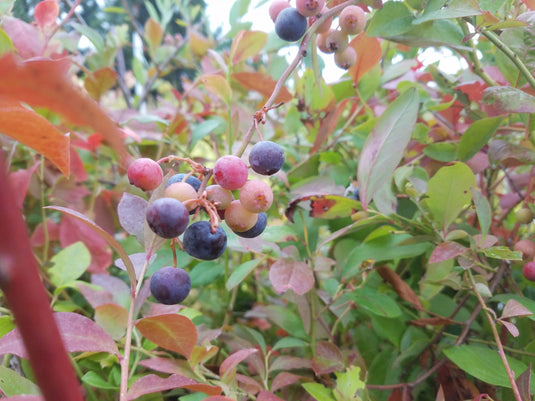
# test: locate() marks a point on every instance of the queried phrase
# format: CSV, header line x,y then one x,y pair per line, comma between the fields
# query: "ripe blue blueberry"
x,y
170,285
290,25
257,229
200,242
266,158
191,180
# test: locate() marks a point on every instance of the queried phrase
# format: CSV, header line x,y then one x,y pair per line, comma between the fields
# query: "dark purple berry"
x,y
191,180
200,242
167,217
170,285
257,229
266,158
290,25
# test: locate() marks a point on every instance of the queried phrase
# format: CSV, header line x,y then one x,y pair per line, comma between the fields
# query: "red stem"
x,y
29,302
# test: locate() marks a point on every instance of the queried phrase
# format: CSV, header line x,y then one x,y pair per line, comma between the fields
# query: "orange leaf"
x,y
45,83
31,129
247,44
171,331
328,125
261,83
368,55
404,291
529,4
218,86
153,33
100,81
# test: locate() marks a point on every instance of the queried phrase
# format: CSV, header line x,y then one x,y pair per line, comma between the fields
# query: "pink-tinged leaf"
x,y
440,394
151,384
328,358
514,308
325,206
328,125
290,363
72,230
529,4
79,334
20,181
112,318
262,83
25,398
25,37
131,212
248,384
267,396
369,53
218,398
138,261
173,332
247,44
35,131
524,383
217,85
46,13
107,236
284,379
500,100
286,274
166,365
228,367
511,328
509,154
445,251
384,147
95,297
485,241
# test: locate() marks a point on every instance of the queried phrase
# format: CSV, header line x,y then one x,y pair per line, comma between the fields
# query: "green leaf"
x,y
94,380
316,95
287,320
11,383
438,9
449,192
318,391
483,210
206,127
348,383
383,149
93,36
69,264
484,364
391,20
240,272
206,273
375,302
238,10
502,252
477,136
6,45
441,151
434,33
289,342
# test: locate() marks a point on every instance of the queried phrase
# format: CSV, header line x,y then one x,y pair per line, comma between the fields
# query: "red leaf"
x,y
172,332
151,384
46,12
79,334
31,129
369,54
445,251
284,379
20,181
529,4
404,290
45,83
267,396
325,206
261,83
511,328
328,358
165,365
286,274
228,367
514,308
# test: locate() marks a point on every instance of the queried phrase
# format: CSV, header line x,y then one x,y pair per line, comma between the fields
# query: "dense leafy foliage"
x,y
383,245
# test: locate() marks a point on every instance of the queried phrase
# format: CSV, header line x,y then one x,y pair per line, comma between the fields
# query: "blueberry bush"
x,y
196,214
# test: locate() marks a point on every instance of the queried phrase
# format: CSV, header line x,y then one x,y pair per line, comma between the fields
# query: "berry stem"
x,y
282,80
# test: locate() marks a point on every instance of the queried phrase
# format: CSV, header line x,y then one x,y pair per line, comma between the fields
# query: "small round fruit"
x,y
345,59
309,8
524,215
167,217
290,25
182,191
276,7
218,194
266,158
238,218
529,271
321,42
256,196
352,20
257,229
145,174
336,41
526,246
191,180
200,242
230,172
170,285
